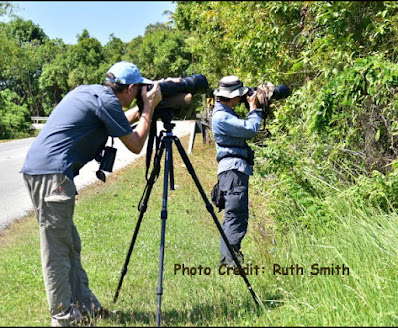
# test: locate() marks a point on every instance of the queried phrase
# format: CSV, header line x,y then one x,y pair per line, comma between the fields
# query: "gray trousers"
x,y
66,282
235,186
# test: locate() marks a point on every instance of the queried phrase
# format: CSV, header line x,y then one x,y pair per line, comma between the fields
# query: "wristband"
x,y
144,118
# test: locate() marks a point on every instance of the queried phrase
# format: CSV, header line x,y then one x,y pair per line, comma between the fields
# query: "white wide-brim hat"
x,y
230,87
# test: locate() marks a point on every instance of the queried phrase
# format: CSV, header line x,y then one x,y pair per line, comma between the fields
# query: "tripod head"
x,y
165,115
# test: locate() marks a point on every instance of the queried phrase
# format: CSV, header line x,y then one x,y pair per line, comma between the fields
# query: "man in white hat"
x,y
234,162
75,133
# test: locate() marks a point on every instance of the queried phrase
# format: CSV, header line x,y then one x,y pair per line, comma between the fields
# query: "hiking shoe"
x,y
229,262
71,318
240,257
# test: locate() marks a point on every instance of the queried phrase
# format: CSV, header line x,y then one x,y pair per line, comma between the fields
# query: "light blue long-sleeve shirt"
x,y
229,130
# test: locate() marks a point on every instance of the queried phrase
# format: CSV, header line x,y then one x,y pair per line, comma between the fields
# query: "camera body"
x,y
177,96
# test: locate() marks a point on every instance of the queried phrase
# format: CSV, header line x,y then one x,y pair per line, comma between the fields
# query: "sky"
x,y
66,19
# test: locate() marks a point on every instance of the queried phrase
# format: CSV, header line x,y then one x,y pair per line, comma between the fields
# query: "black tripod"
x,y
166,139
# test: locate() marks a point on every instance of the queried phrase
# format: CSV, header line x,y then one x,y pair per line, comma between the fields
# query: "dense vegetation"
x,y
365,240
336,135
339,127
326,170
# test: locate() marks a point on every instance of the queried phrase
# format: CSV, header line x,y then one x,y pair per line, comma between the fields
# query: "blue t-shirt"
x,y
76,131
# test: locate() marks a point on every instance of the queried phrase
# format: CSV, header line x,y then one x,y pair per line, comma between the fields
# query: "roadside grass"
x,y
106,214
366,242
35,133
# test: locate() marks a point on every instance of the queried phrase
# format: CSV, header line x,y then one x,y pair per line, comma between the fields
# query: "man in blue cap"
x,y
75,133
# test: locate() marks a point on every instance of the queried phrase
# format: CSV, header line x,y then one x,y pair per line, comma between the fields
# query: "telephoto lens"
x,y
281,92
178,96
192,84
278,92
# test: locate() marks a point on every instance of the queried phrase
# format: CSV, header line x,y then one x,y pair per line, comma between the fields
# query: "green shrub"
x,y
15,119
332,138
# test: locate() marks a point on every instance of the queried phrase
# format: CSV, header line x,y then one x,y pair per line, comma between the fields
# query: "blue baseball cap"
x,y
127,73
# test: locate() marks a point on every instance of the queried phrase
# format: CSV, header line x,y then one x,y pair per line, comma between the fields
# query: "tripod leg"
x,y
210,209
142,209
172,186
167,167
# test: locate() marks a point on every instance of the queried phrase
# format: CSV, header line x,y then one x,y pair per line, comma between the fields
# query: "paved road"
x,y
14,198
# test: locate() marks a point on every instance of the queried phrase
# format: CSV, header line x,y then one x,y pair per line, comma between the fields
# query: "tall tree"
x,y
84,59
162,52
22,66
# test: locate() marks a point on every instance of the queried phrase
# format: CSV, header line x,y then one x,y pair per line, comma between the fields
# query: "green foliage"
x,y
329,137
83,59
351,117
248,39
21,63
53,81
14,119
378,190
161,53
332,32
284,42
292,184
339,59
24,32
71,66
114,50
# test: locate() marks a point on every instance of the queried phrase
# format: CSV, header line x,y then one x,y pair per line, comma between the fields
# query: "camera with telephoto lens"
x,y
177,96
265,93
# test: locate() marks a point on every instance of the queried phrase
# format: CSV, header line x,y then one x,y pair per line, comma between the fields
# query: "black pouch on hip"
x,y
106,158
217,197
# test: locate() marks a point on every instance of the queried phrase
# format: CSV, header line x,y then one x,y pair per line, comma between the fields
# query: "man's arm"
x,y
233,126
132,115
135,140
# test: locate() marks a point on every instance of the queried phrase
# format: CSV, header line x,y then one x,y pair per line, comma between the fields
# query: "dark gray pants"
x,y
235,186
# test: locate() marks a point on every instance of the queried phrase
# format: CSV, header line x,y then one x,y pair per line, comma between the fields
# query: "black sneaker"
x,y
229,262
240,257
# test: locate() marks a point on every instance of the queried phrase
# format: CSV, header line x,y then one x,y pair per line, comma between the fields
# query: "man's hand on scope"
x,y
152,98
